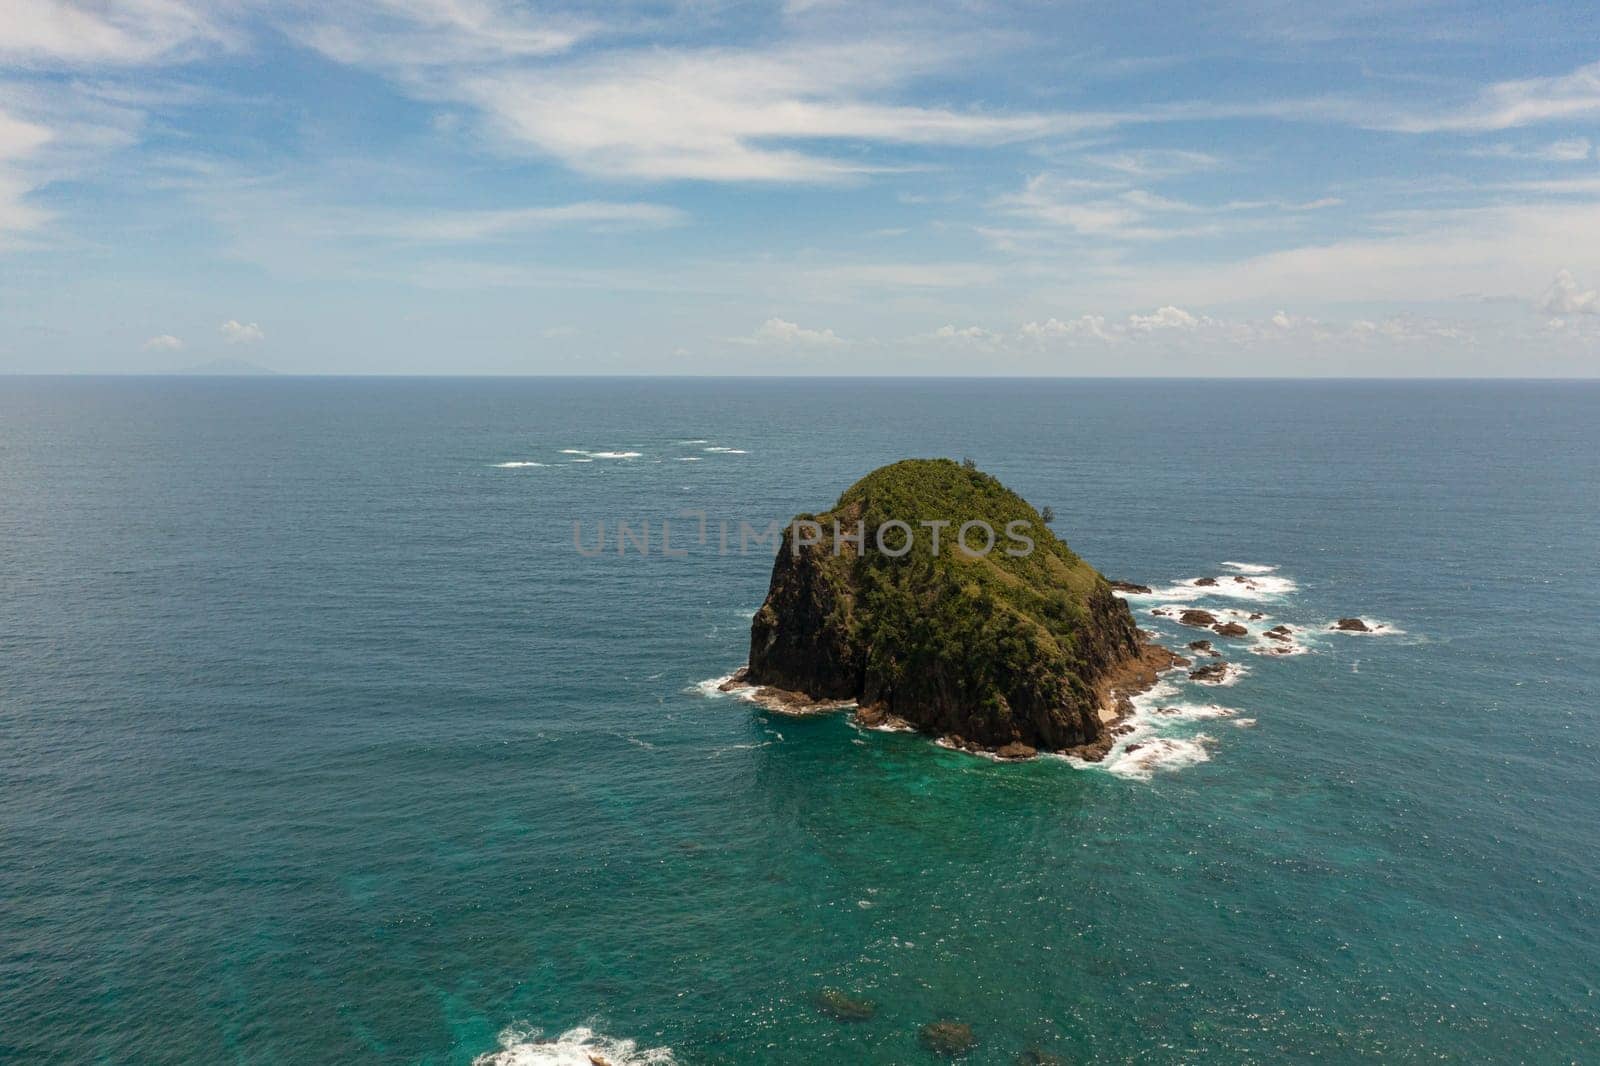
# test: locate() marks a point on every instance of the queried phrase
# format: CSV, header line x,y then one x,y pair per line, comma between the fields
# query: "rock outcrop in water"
x,y
1019,648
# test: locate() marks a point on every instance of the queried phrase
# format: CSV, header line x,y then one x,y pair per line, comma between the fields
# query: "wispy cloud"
x,y
447,227
1114,209
72,33
407,36
1570,150
756,113
1419,257
20,141
1524,102
1148,163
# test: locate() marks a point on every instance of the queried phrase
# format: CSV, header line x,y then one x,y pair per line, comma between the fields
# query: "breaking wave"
x,y
522,1046
1142,759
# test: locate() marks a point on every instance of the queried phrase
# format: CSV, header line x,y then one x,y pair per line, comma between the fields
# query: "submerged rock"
x,y
947,1038
1203,647
1212,673
1280,633
1008,647
838,1005
1205,582
1035,1057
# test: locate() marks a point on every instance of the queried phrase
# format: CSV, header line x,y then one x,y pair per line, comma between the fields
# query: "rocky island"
x,y
901,600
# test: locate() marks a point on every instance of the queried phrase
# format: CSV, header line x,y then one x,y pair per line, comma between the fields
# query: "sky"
x,y
1340,188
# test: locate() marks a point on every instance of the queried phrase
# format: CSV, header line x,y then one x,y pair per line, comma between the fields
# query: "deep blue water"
x,y
319,742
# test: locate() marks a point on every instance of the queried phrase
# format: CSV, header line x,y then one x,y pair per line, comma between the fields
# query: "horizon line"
x,y
644,376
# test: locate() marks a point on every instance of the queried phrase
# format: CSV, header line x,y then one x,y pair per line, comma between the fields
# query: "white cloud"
x,y
969,333
473,226
1523,102
236,332
19,142
1415,257
777,331
1564,297
1174,328
968,336
1165,318
911,275
1113,209
715,114
404,34
162,342
67,33
1572,150
1090,208
1150,163
722,116
1092,326
19,138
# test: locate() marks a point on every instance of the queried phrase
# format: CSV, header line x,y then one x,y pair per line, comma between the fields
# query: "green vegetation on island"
x,y
1019,647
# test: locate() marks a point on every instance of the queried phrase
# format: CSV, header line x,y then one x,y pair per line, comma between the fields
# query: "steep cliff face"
x,y
1013,646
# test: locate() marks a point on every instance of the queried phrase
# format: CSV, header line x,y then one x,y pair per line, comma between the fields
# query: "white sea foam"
x,y
770,699
1281,649
977,753
695,440
714,752
522,1046
1231,673
1141,759
1175,611
1263,589
890,725
1193,712
727,451
711,688
688,458
517,464
599,455
1250,568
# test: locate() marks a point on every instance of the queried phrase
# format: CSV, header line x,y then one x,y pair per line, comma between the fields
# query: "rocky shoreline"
x,y
1114,692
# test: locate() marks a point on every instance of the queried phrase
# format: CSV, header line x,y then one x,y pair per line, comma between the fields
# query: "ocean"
x,y
321,741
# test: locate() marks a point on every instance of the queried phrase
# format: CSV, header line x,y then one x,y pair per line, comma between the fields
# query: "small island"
x,y
934,598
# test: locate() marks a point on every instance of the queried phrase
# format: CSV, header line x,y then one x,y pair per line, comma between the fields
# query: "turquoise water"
x,y
320,743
